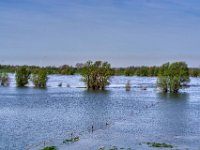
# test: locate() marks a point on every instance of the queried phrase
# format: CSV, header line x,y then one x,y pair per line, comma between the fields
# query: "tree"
x,y
39,78
194,72
96,75
173,77
67,70
128,86
4,79
22,76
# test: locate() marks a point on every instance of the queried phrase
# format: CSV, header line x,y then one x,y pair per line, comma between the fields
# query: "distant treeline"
x,y
70,70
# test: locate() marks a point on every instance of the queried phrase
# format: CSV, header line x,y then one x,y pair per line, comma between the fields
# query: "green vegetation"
x,y
75,139
96,75
22,76
128,86
114,148
4,79
152,71
50,148
137,71
173,77
102,148
39,78
159,145
67,70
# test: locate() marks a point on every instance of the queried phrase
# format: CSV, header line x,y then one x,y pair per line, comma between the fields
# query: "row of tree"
x,y
23,75
171,77
69,70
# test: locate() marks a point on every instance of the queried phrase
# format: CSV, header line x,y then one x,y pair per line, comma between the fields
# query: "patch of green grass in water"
x,y
75,139
114,148
50,148
160,145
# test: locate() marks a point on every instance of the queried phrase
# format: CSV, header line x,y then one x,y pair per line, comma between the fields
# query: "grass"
x,y
160,145
114,148
102,148
50,148
75,139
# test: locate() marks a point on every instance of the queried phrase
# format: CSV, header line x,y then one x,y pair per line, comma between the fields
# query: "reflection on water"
x,y
173,96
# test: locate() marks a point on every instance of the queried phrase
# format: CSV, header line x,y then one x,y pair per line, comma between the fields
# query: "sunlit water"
x,y
30,116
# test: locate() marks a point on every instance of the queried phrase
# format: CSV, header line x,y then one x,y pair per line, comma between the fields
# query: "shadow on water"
x,y
97,92
173,96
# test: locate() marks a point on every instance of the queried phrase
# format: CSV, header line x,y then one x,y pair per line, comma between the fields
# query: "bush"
x,y
4,79
161,145
50,148
39,78
173,77
22,76
96,75
73,139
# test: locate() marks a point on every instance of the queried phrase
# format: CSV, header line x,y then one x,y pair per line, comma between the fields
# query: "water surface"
x,y
29,116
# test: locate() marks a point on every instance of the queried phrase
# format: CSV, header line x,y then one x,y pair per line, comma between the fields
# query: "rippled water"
x,y
30,116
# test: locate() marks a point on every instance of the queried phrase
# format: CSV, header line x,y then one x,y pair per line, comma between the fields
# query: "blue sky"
x,y
122,32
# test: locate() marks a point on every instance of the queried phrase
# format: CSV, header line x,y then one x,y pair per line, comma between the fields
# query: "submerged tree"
x,y
128,86
39,78
96,75
173,77
22,76
4,79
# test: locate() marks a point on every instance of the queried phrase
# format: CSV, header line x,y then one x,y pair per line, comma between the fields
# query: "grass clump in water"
x,y
75,139
114,148
162,145
50,148
102,148
128,86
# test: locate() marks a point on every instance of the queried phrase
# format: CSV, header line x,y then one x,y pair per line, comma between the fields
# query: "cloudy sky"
x,y
122,32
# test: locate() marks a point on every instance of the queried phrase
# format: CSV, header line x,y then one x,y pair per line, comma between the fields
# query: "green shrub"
x,y
22,76
4,79
39,78
96,75
173,77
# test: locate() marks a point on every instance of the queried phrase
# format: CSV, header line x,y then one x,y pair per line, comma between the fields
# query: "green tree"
x,y
194,72
22,76
127,72
4,79
96,75
173,77
39,78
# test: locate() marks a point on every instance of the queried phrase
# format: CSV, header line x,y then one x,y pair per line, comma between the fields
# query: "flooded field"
x,y
31,118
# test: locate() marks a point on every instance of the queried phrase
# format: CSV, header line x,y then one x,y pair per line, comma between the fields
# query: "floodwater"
x,y
31,118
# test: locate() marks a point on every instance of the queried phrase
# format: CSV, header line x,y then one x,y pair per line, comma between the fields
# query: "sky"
x,y
122,32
